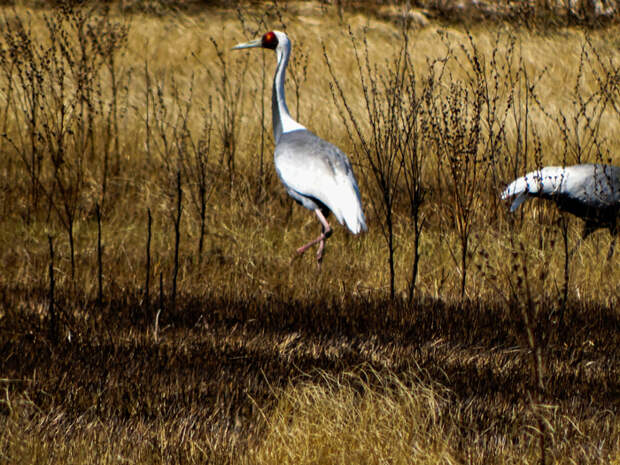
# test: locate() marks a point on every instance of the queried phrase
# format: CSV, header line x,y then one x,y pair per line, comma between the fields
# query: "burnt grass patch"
x,y
221,359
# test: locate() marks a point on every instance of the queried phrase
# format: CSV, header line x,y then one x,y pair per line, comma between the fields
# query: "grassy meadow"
x,y
150,307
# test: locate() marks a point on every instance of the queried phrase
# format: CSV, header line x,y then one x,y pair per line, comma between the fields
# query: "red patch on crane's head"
x,y
269,40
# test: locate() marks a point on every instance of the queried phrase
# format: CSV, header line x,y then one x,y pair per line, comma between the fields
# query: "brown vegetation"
x,y
149,312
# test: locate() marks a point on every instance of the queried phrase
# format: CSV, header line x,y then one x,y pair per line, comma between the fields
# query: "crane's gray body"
x,y
589,191
319,175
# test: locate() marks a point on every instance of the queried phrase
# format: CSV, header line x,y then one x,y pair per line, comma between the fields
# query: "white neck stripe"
x,y
282,120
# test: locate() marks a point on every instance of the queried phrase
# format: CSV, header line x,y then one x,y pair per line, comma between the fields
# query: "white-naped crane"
x,y
589,191
315,173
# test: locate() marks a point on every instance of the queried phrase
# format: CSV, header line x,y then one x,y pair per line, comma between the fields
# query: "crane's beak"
x,y
251,44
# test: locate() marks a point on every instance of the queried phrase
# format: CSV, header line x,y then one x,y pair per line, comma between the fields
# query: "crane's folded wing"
x,y
312,167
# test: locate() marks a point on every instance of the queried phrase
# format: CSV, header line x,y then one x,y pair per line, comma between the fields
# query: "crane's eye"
x,y
270,40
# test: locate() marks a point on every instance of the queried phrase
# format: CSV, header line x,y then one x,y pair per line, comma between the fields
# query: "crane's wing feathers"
x,y
313,169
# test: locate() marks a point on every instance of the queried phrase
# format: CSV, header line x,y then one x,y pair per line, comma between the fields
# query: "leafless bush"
x,y
481,133
530,298
414,154
388,139
253,25
179,146
54,87
227,102
194,155
456,131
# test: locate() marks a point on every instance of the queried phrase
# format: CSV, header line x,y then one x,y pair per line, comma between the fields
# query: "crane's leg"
x,y
611,247
575,248
326,232
319,253
588,229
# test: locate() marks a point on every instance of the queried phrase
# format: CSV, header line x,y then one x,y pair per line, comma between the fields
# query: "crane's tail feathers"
x,y
350,211
354,217
357,224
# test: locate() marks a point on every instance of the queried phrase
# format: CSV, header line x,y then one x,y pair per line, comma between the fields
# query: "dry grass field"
x,y
150,311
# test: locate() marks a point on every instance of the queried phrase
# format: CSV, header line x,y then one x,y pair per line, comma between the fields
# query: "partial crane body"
x,y
314,172
589,191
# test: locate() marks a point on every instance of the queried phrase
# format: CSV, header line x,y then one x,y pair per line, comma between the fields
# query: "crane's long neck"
x,y
282,120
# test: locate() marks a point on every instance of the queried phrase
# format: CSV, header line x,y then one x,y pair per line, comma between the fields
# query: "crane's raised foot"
x,y
319,240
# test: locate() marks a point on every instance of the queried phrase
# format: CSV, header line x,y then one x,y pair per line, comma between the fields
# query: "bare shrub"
x,y
227,102
476,121
388,138
457,136
54,89
181,155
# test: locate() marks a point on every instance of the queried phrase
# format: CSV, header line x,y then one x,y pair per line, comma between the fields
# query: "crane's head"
x,y
270,40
